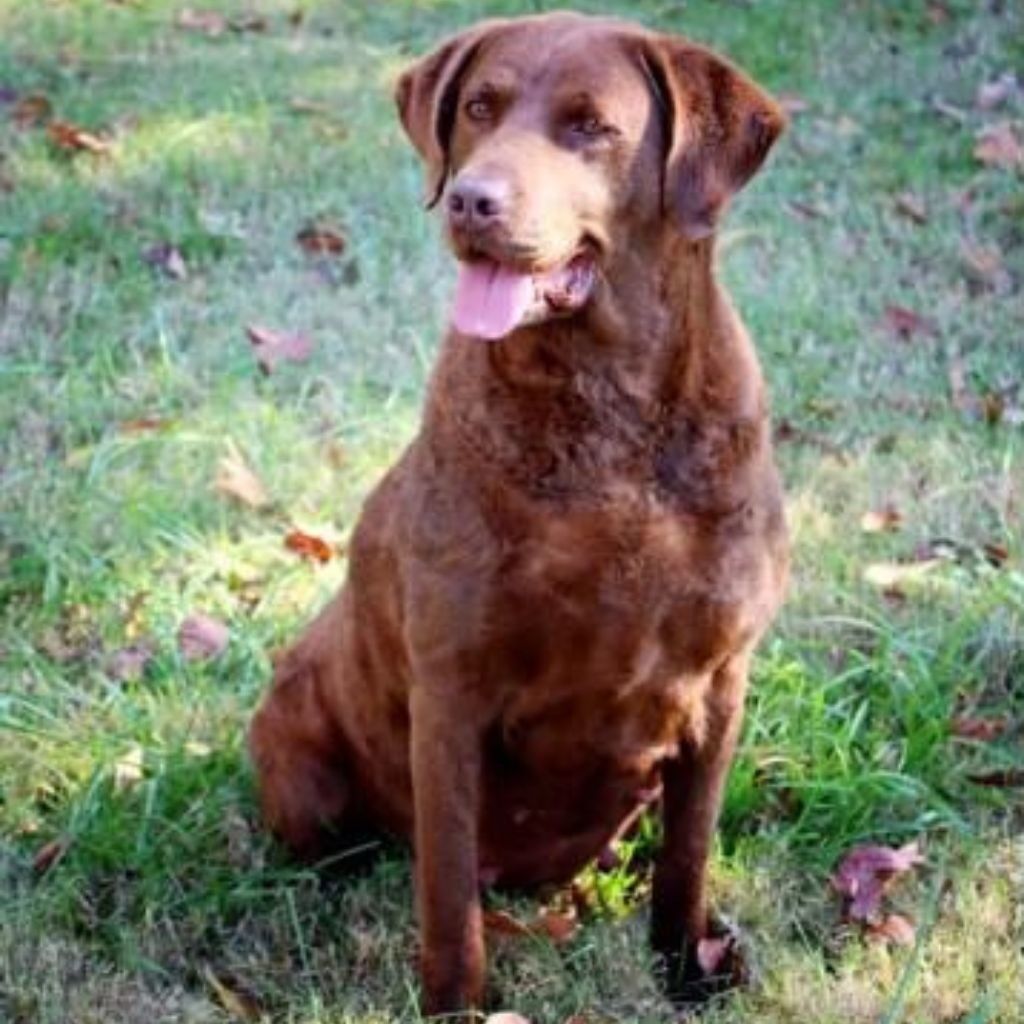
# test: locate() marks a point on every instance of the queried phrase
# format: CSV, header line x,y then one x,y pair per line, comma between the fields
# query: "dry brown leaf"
x,y
1000,145
995,93
995,554
31,110
248,23
201,637
237,1004
886,519
501,922
792,103
272,347
236,480
69,137
905,323
559,926
210,23
143,424
984,266
1002,778
128,664
960,395
168,259
866,871
316,549
299,105
894,929
912,206
891,576
321,240
128,769
50,854
809,210
972,727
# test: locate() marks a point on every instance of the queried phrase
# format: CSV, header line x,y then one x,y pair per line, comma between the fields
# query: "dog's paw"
x,y
714,965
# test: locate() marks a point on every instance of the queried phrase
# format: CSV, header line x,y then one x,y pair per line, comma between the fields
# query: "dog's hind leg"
x,y
305,791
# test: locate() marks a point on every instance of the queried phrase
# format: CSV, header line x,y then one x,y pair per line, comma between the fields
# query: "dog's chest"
x,y
607,630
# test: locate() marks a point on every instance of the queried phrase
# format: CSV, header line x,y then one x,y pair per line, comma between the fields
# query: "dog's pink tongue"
x,y
490,300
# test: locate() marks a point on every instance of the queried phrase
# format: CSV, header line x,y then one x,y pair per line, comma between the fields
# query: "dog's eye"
x,y
479,109
588,127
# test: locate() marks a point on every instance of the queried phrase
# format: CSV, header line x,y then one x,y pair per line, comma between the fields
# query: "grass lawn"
x,y
879,263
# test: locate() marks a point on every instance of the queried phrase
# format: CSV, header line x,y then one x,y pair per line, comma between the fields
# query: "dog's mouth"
x,y
492,299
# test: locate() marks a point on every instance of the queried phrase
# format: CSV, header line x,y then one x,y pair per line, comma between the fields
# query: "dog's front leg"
x,y
692,793
446,769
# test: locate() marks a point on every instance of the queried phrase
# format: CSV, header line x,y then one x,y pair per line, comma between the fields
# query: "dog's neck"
x,y
658,355
659,330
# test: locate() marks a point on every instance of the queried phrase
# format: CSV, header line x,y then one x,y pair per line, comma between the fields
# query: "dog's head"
x,y
556,141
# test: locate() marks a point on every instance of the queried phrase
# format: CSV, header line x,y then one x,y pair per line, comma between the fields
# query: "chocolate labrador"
x,y
553,596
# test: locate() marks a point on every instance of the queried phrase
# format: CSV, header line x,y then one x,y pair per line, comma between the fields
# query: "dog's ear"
x,y
427,97
719,124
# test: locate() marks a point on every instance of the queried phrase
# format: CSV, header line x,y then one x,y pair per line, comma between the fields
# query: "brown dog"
x,y
553,596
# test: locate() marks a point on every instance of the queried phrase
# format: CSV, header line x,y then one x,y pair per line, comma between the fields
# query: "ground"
x,y
879,263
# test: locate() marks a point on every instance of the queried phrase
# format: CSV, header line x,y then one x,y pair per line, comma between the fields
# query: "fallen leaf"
x,y
168,259
993,405
971,727
316,549
1003,778
128,769
809,211
912,206
142,424
995,93
937,13
886,519
31,110
248,23
960,395
69,137
983,265
299,105
890,575
50,854
320,239
236,480
201,637
948,110
995,554
272,347
237,1004
866,871
905,323
128,664
503,923
1000,145
894,929
792,103
506,1017
210,23
559,926
713,952
786,431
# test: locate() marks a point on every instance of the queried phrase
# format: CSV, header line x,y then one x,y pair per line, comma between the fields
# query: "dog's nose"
x,y
476,201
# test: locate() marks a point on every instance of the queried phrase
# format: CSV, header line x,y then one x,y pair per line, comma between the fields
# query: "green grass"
x,y
109,535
